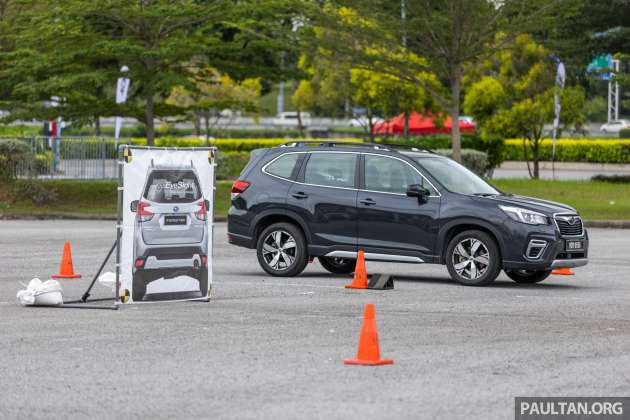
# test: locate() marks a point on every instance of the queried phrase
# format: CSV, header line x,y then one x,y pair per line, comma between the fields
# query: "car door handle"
x,y
300,195
368,202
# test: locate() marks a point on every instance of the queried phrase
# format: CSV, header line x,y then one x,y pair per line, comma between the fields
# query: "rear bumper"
x,y
241,240
153,263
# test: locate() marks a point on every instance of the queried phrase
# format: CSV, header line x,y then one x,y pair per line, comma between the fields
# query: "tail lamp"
x,y
238,188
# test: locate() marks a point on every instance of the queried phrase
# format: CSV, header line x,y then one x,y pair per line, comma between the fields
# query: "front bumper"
x,y
554,255
580,262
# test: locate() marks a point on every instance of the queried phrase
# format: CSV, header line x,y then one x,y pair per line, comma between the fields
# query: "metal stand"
x,y
84,299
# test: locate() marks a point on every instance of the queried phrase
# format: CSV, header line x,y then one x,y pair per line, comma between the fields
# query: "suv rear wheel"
x,y
281,250
472,258
338,265
528,276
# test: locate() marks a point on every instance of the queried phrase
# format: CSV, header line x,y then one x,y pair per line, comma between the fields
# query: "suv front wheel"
x,y
472,258
281,250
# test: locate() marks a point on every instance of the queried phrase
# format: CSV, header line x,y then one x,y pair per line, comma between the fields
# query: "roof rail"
x,y
377,146
327,143
408,147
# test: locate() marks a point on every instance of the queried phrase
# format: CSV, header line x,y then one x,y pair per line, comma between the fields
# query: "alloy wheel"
x,y
471,258
279,250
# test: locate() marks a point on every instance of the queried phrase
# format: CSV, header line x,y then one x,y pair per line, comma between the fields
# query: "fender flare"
x,y
441,240
278,212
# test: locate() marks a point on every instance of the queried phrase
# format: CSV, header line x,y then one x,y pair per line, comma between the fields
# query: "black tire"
x,y
486,267
298,253
338,265
528,276
139,288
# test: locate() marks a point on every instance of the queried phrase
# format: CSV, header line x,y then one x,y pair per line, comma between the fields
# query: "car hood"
x,y
548,208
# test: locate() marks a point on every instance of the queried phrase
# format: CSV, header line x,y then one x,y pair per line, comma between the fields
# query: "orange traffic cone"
x,y
563,272
369,353
66,271
360,280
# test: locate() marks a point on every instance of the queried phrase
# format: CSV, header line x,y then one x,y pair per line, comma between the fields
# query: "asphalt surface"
x,y
273,347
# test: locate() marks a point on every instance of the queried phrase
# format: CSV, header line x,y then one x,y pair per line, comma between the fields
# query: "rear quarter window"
x,y
283,166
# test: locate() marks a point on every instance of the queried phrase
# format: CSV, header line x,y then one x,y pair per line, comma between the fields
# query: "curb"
x,y
69,216
609,224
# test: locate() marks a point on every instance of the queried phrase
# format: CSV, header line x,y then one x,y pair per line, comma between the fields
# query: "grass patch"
x,y
594,200
88,198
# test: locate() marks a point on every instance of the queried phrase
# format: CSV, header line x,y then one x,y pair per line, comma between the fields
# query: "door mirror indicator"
x,y
134,206
416,190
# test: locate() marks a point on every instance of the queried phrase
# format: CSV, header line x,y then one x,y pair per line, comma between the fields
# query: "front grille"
x,y
570,225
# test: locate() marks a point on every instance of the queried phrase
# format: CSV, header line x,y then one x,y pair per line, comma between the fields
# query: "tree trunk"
x,y
300,126
536,158
456,139
406,130
196,124
371,126
97,126
207,121
150,126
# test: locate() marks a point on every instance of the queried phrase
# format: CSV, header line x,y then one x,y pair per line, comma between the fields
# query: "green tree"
x,y
211,93
512,95
413,37
74,49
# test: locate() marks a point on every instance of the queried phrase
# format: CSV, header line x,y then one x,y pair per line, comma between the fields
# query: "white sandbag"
x,y
108,280
41,293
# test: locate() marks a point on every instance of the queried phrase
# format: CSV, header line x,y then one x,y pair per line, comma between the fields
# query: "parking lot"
x,y
273,347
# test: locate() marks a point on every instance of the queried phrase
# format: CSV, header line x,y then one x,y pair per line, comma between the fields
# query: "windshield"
x,y
455,177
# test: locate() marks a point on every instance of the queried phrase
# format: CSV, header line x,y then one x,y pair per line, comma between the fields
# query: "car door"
x,y
325,197
389,222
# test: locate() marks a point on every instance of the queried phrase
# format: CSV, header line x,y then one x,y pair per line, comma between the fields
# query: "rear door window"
x,y
284,165
331,169
172,186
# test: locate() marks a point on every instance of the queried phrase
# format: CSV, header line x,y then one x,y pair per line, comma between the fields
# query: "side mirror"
x,y
134,206
417,190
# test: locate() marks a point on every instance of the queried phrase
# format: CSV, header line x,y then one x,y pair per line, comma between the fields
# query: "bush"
x,y
226,145
15,155
474,160
230,164
493,147
613,179
33,191
624,133
573,150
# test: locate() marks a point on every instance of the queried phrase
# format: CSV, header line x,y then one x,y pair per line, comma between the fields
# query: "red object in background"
x,y
53,128
420,125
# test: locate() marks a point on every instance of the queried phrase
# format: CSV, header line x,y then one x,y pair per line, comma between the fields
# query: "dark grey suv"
x,y
328,200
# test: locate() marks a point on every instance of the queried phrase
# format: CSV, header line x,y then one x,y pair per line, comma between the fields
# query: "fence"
x,y
69,158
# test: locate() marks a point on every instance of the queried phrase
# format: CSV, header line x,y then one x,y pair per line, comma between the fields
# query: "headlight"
x,y
525,216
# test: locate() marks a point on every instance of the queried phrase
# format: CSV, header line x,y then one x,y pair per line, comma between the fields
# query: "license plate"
x,y
574,246
175,220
